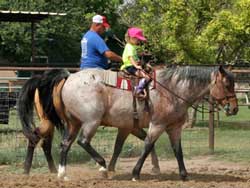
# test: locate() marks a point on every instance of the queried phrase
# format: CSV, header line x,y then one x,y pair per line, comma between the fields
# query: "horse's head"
x,y
222,90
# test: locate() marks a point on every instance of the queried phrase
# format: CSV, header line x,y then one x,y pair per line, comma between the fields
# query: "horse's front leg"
x,y
153,134
141,134
175,139
120,139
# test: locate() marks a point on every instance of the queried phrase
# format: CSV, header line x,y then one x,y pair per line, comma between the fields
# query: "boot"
x,y
141,86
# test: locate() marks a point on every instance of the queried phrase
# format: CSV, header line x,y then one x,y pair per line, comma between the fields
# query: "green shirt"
x,y
129,51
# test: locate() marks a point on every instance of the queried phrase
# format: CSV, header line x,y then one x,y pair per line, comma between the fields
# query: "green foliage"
x,y
199,32
193,31
57,37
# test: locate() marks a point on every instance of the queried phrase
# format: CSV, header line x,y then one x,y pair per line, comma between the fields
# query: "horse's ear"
x,y
222,70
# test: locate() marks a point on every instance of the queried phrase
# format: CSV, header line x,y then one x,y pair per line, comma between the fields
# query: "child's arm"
x,y
133,62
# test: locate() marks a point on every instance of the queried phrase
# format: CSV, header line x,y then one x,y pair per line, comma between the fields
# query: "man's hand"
x,y
113,56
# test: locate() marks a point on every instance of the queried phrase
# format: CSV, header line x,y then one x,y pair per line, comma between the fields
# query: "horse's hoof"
x,y
134,179
184,177
155,171
61,172
104,172
65,178
53,171
111,169
61,175
104,175
111,174
26,173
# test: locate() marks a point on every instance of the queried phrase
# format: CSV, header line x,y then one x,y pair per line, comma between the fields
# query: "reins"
x,y
183,99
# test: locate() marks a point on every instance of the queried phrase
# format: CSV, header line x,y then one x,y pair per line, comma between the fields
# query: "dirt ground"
x,y
203,173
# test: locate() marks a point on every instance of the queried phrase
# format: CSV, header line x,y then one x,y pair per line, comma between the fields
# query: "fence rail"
x,y
12,139
36,68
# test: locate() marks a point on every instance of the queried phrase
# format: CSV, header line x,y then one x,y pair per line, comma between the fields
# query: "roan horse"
x,y
43,92
86,103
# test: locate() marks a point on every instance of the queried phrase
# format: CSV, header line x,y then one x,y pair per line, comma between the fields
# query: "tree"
x,y
58,37
199,32
192,31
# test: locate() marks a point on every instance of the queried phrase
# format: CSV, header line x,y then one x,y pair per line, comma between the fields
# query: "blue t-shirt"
x,y
93,48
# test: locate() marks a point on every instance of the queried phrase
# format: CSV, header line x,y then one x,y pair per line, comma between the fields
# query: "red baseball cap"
x,y
101,19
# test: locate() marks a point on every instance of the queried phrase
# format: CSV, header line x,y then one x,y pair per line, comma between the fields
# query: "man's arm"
x,y
112,56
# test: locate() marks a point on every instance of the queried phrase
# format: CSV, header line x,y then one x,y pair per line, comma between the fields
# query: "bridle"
x,y
226,97
198,107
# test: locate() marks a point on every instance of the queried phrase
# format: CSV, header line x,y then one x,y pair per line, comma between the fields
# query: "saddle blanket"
x,y
115,79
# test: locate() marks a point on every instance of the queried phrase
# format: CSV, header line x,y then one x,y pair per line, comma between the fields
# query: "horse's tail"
x,y
26,105
44,83
48,82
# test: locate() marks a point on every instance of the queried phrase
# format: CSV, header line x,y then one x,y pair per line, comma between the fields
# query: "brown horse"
x,y
44,92
87,103
31,94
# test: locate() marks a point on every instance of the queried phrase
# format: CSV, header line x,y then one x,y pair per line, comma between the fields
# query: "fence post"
x,y
211,126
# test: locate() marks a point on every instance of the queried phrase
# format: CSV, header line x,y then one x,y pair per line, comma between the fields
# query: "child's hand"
x,y
138,67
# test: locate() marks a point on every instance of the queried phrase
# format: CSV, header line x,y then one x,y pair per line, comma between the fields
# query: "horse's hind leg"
x,y
84,141
120,139
141,134
30,152
46,131
69,137
47,145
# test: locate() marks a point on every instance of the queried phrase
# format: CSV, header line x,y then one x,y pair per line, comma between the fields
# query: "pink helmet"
x,y
136,33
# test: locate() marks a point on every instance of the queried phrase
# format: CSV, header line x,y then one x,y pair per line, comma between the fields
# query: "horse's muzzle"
x,y
230,111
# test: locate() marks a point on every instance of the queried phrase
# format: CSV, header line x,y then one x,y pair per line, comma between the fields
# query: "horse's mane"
x,y
193,74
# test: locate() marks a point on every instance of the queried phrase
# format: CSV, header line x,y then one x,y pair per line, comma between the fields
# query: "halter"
x,y
226,97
